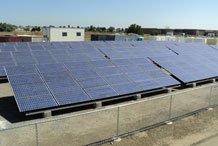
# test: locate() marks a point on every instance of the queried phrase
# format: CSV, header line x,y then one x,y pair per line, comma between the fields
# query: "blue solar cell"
x,y
167,81
37,102
127,88
24,79
5,55
7,48
27,90
84,74
137,61
117,79
49,68
41,53
71,97
37,48
59,52
101,63
78,65
2,72
121,62
22,48
59,87
25,61
139,77
92,82
101,92
156,74
6,60
79,57
20,70
45,60
57,77
22,54
149,84
131,69
108,71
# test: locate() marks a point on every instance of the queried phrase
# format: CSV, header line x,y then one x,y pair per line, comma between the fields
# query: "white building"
x,y
53,34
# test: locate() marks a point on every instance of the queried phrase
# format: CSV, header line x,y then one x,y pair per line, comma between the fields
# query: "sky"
x,y
198,14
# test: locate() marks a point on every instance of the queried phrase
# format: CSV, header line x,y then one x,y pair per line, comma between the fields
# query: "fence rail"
x,y
110,122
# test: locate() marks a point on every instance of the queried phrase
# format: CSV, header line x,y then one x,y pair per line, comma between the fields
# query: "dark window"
x,y
78,34
64,34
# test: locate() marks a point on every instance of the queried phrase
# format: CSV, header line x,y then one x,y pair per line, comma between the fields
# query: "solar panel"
x,y
117,79
25,79
20,70
92,82
127,88
188,68
35,102
26,90
101,92
71,97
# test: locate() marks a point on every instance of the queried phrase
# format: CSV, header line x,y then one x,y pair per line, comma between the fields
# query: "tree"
x,y
7,27
111,29
36,28
134,28
26,28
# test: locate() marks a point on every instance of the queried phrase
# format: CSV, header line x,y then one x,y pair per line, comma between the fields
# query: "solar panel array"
x,y
47,75
75,82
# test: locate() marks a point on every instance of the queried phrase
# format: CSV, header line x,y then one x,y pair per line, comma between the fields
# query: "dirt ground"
x,y
198,130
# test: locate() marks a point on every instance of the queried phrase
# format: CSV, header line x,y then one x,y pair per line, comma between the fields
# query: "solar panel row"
x,y
69,83
67,73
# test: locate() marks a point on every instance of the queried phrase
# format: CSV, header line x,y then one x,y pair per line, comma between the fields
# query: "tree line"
x,y
134,28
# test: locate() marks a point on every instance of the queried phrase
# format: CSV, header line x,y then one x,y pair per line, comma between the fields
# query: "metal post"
x,y
118,120
170,111
117,138
37,136
210,99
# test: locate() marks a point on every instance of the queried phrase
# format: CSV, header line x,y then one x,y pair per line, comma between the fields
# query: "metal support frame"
x,y
98,104
138,96
47,114
194,85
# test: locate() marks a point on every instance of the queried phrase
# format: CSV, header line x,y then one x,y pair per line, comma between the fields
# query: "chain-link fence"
x,y
111,122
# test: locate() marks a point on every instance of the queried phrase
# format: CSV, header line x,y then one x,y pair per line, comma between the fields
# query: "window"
x,y
78,34
64,34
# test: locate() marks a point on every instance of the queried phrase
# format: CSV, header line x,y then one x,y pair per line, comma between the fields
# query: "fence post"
x,y
37,136
210,99
118,120
170,110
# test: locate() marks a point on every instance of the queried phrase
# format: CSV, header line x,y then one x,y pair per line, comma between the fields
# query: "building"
x,y
180,32
53,34
14,38
116,37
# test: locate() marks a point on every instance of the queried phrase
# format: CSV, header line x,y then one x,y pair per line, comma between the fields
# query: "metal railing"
x,y
110,122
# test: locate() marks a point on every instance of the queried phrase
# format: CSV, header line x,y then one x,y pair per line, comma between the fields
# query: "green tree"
x,y
36,28
26,28
111,29
91,28
7,27
134,28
